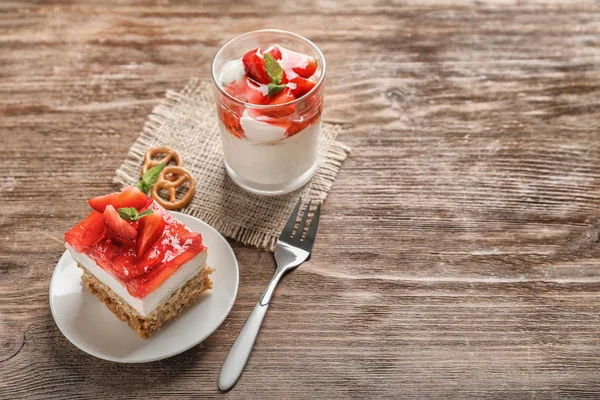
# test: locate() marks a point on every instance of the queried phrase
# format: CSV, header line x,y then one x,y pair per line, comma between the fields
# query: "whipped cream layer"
x,y
232,71
260,131
144,306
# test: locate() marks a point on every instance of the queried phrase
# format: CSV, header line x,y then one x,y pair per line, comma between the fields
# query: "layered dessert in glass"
x,y
269,92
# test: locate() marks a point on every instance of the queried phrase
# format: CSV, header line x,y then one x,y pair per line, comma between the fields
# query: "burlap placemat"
x,y
187,122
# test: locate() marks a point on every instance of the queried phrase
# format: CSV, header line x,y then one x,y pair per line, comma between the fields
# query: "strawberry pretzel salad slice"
x,y
138,259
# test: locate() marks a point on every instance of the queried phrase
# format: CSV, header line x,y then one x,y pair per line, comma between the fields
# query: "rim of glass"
x,y
261,106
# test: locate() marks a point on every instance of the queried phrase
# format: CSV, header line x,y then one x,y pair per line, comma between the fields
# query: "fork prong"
x,y
302,225
287,231
312,229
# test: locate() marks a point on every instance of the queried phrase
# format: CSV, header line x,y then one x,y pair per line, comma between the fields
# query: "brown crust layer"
x,y
144,326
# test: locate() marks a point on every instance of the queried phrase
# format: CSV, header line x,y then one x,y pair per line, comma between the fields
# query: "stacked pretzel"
x,y
170,178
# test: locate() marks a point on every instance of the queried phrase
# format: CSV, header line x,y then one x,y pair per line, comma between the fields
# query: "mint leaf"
x,y
273,69
128,213
131,214
150,178
143,187
274,89
144,213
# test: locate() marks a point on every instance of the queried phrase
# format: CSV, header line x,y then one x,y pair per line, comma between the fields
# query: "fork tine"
x,y
302,225
312,229
291,222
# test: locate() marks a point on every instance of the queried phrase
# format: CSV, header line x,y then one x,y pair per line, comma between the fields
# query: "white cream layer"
x,y
146,305
271,162
260,131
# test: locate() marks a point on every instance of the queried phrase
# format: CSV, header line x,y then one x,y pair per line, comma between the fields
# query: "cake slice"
x,y
138,259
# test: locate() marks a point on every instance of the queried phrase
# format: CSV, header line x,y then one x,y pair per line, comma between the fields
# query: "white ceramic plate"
x,y
89,325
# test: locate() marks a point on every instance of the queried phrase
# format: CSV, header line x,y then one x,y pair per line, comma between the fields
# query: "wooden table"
x,y
458,252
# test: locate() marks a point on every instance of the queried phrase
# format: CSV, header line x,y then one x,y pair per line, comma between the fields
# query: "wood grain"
x,y
458,252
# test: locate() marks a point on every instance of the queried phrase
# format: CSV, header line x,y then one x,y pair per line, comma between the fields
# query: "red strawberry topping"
x,y
307,69
302,86
254,64
128,197
88,232
124,264
275,51
150,229
291,72
246,90
119,230
141,254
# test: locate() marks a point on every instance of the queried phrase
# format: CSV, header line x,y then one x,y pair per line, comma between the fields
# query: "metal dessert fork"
x,y
292,249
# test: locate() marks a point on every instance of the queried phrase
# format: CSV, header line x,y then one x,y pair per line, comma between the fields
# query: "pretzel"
x,y
169,153
170,179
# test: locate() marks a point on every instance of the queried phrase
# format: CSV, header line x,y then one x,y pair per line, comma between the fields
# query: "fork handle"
x,y
242,347
265,299
240,351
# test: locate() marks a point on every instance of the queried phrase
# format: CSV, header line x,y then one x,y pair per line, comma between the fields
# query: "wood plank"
x,y
458,251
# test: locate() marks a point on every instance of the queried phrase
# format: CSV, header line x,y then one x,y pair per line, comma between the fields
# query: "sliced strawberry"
x,y
245,90
275,51
119,230
301,64
310,110
128,197
307,68
231,123
86,233
302,86
285,96
150,229
254,64
298,126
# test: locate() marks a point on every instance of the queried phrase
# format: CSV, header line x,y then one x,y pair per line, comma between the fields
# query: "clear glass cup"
x,y
259,157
